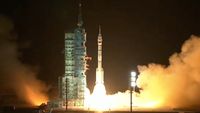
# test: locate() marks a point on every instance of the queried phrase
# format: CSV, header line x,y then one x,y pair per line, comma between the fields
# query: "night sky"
x,y
135,32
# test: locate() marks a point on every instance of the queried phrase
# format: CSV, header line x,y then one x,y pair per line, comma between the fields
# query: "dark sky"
x,y
135,32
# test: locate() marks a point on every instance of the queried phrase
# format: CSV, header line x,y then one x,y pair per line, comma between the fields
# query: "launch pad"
x,y
134,111
74,94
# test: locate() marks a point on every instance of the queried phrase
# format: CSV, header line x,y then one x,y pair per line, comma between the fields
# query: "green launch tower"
x,y
72,84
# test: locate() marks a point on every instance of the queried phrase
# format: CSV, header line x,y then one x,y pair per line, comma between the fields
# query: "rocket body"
x,y
99,70
99,89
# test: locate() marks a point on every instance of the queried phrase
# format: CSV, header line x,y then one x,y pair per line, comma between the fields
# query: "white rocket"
x,y
99,70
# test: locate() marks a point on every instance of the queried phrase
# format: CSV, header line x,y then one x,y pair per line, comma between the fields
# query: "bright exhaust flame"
x,y
174,86
97,101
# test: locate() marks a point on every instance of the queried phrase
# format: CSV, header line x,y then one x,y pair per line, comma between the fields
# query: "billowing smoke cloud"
x,y
176,85
15,75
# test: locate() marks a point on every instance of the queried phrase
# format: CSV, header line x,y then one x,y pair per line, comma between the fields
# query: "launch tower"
x,y
72,84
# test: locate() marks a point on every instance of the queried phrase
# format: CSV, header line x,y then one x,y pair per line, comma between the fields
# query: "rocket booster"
x,y
99,70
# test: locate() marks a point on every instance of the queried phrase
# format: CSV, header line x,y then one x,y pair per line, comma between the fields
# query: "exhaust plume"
x,y
176,85
15,75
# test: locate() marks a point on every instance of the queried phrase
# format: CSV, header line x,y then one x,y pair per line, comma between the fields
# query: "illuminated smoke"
x,y
15,75
176,85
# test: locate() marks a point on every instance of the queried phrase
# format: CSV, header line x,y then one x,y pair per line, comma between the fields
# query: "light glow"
x,y
34,97
133,79
133,84
133,74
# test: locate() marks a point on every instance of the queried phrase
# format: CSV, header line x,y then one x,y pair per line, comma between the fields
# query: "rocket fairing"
x,y
99,70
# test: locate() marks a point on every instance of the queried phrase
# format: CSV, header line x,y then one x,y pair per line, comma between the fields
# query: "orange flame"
x,y
34,97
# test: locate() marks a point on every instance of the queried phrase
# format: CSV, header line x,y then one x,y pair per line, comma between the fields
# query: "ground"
x,y
36,110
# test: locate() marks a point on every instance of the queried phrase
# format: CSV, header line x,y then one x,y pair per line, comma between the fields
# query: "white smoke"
x,y
178,84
